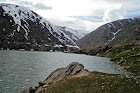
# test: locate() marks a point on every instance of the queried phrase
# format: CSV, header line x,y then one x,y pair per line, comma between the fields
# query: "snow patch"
x,y
46,45
121,23
109,25
18,29
58,46
129,20
113,25
73,46
49,39
117,31
114,35
10,20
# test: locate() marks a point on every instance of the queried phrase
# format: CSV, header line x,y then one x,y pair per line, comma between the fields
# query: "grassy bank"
x,y
96,82
128,57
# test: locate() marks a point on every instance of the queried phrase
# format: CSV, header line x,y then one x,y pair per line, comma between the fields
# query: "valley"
x,y
106,60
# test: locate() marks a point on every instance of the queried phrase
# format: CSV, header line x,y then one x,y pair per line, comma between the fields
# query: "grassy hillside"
x,y
128,57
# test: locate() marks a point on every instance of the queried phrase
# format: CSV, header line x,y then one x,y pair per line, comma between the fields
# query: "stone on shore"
x,y
74,69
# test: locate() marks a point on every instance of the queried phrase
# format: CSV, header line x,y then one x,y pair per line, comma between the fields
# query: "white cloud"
x,y
131,4
75,23
113,14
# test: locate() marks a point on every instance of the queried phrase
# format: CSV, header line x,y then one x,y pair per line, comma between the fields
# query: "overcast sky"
x,y
85,15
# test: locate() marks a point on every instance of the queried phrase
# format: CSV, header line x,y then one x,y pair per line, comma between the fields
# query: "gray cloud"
x,y
26,3
35,6
89,18
13,0
42,6
3,0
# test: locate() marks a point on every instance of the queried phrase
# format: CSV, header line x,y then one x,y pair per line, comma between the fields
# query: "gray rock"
x,y
33,89
41,83
72,69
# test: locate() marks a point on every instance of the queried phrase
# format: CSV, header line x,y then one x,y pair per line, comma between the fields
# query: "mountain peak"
x,y
71,33
18,22
119,32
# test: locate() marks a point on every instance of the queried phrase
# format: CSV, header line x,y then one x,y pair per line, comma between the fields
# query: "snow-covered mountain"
x,y
73,34
119,32
21,28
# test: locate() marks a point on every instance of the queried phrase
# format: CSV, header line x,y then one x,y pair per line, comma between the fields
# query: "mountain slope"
x,y
120,32
73,34
21,28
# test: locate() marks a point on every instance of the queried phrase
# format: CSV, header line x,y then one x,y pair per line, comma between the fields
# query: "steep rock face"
x,y
73,34
21,28
125,31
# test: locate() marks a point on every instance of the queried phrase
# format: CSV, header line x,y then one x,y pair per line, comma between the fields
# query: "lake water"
x,y
22,69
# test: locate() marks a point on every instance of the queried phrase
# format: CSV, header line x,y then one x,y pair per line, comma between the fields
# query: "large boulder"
x,y
74,69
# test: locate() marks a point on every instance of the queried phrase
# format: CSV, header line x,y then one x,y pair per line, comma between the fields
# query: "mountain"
x,y
120,32
21,28
73,34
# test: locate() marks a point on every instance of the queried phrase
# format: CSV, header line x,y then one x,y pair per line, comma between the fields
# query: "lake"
x,y
22,69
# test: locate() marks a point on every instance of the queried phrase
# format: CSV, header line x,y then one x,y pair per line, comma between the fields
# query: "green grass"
x,y
97,83
129,54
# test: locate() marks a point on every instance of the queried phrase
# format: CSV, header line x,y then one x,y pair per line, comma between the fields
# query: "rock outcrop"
x,y
74,69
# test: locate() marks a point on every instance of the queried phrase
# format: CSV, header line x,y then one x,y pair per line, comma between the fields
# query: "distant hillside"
x,y
120,32
73,34
21,28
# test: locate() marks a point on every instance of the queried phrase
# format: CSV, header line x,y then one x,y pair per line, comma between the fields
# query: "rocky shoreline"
x,y
75,79
74,69
121,55
127,56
